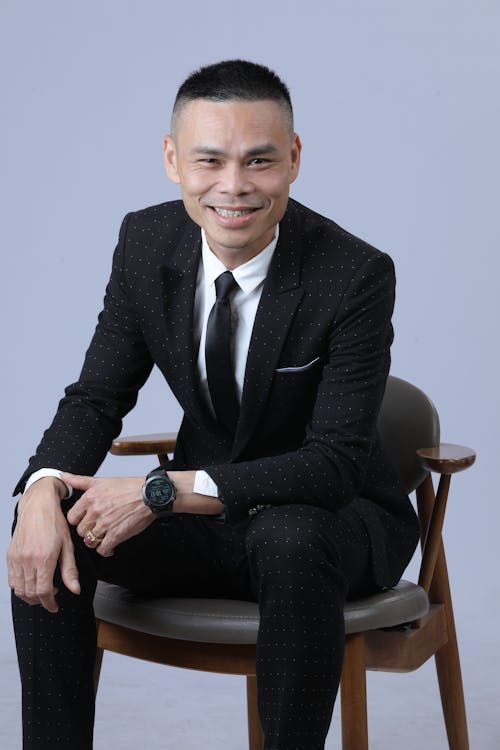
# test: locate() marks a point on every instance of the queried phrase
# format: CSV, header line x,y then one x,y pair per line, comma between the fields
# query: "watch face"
x,y
159,492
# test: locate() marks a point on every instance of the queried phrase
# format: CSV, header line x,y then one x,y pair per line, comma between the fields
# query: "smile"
x,y
230,214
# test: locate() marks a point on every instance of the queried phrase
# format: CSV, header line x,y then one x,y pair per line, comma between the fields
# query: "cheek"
x,y
275,185
196,183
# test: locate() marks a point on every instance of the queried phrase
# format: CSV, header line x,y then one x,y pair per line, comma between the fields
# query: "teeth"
x,y
230,214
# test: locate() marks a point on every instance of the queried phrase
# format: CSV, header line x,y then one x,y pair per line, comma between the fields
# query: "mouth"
x,y
229,213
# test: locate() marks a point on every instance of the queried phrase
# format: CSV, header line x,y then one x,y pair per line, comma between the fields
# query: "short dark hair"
x,y
234,80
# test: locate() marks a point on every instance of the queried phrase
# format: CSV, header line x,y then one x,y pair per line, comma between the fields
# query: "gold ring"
x,y
91,540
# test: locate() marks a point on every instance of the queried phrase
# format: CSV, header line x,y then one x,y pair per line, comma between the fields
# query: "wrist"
x,y
48,472
46,488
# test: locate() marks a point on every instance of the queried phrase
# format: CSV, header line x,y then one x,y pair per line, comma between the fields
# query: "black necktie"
x,y
220,369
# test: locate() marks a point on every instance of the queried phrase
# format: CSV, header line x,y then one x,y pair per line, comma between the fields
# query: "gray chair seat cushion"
x,y
237,622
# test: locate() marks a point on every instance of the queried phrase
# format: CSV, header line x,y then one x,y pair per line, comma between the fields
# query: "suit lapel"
x,y
280,298
177,359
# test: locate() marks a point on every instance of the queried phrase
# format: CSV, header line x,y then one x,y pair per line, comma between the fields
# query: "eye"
x,y
258,161
208,161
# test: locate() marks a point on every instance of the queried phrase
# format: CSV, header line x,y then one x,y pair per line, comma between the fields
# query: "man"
x,y
271,325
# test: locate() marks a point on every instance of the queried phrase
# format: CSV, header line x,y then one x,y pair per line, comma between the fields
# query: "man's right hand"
x,y
40,540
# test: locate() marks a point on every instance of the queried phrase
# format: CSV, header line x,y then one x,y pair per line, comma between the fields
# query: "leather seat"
x,y
230,621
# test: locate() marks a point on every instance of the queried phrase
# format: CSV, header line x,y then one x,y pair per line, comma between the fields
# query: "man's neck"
x,y
233,258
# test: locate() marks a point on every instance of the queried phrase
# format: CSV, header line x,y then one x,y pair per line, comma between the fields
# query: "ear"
x,y
170,159
295,157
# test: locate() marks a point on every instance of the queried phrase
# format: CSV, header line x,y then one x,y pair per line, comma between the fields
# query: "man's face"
x,y
234,162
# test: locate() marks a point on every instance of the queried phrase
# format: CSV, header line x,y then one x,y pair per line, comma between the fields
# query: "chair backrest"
x,y
408,420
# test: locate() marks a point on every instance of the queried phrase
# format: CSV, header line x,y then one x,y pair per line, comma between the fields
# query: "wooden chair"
x,y
395,630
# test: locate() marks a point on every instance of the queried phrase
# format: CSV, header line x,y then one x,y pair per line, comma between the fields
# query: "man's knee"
x,y
291,559
290,533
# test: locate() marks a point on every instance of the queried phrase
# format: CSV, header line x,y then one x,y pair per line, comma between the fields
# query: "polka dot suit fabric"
x,y
298,562
313,506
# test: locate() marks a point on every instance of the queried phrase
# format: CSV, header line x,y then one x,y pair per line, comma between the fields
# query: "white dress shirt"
x,y
250,277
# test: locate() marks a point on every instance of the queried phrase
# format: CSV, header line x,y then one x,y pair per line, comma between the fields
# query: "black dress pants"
x,y
298,562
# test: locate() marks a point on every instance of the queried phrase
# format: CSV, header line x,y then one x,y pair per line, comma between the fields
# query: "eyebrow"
x,y
261,149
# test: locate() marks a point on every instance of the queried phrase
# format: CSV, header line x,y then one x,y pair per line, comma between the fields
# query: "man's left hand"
x,y
114,511
111,508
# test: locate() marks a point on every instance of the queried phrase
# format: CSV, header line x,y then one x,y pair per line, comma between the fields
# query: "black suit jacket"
x,y
315,375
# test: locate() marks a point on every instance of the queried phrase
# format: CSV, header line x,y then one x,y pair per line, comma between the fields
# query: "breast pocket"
x,y
295,387
298,369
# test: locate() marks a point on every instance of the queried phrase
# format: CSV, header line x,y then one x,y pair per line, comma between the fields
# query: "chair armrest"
x,y
443,459
160,443
446,458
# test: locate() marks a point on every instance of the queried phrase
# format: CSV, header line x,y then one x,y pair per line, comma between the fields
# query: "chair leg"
x,y
98,661
447,658
449,672
255,734
452,696
353,695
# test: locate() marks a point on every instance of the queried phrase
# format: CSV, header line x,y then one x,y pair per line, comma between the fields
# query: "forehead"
x,y
202,121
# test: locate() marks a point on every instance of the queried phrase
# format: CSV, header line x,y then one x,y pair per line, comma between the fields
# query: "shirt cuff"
x,y
205,485
41,473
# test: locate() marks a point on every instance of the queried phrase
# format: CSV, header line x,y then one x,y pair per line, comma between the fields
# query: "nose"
x,y
234,180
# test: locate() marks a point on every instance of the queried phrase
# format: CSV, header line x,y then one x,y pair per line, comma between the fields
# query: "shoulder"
x,y
160,235
327,246
341,275
158,220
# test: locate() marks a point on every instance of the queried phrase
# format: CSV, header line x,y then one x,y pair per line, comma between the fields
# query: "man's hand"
x,y
40,540
187,501
111,508
114,511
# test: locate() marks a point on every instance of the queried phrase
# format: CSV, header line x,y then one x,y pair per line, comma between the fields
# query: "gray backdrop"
x,y
397,105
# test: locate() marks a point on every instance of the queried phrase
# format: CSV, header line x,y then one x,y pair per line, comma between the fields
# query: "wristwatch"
x,y
158,493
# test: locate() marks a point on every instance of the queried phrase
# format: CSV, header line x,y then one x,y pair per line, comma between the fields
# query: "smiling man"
x,y
234,161
272,326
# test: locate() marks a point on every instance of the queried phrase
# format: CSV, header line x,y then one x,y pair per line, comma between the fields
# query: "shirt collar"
x,y
249,275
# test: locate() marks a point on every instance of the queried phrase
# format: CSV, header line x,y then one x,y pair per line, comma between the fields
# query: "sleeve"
x,y
116,366
328,469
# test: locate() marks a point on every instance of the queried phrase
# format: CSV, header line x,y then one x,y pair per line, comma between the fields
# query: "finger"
x,y
107,547
106,552
69,571
77,481
25,585
45,589
77,513
86,524
46,592
16,578
18,588
13,570
83,528
25,596
30,594
98,531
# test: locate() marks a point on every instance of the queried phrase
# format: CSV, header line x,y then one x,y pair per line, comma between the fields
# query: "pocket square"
x,y
300,368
